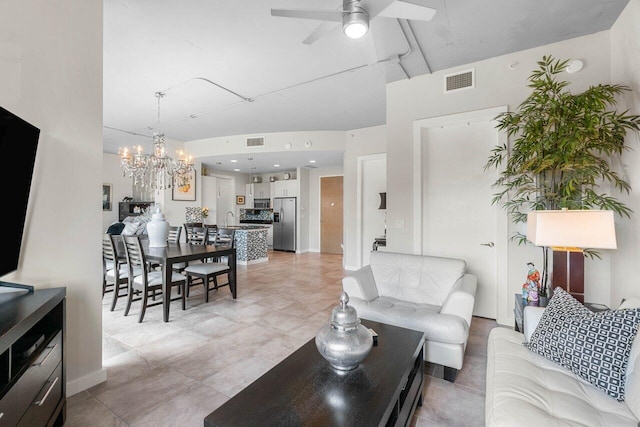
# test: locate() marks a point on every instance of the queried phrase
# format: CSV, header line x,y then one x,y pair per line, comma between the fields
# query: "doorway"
x,y
331,189
371,216
454,214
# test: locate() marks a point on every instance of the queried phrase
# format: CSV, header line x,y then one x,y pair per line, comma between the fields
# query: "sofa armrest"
x,y
462,297
531,318
361,284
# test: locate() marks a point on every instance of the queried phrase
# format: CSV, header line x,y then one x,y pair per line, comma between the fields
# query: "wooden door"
x,y
331,214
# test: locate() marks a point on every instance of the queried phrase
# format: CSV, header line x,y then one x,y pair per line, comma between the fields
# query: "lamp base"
x,y
568,272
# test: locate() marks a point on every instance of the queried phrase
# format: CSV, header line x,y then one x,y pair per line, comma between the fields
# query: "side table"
x,y
520,304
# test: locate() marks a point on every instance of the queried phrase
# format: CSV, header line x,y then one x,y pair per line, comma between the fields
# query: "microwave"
x,y
262,203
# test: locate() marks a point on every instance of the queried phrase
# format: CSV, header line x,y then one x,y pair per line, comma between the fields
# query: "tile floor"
x,y
176,373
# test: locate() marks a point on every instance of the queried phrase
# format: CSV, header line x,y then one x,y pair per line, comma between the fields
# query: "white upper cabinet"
x,y
286,188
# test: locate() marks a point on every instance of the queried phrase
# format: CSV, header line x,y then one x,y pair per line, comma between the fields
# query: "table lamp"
x,y
567,233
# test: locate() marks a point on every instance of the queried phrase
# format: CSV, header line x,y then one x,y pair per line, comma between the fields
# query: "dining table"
x,y
183,252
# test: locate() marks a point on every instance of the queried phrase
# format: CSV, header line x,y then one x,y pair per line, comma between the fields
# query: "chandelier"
x,y
156,171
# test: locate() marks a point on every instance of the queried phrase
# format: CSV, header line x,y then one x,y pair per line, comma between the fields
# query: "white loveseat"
x,y
431,294
526,389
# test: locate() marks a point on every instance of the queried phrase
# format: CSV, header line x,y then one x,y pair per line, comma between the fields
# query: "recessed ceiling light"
x,y
236,170
276,166
234,161
312,161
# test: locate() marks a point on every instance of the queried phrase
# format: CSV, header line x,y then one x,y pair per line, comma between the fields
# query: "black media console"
x,y
32,367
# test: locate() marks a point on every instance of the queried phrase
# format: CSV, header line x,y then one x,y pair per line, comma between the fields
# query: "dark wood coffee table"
x,y
304,390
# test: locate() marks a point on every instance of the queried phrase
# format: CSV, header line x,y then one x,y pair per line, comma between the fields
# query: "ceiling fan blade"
x,y
321,30
374,7
317,14
404,10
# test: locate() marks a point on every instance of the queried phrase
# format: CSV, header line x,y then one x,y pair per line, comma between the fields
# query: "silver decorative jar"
x,y
344,342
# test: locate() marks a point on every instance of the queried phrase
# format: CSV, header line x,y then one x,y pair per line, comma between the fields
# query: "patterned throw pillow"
x,y
594,346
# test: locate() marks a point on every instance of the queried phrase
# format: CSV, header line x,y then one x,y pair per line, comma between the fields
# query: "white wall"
x,y
496,85
625,69
274,142
51,75
303,210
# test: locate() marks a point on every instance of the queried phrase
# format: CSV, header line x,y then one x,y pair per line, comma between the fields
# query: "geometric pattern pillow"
x,y
594,346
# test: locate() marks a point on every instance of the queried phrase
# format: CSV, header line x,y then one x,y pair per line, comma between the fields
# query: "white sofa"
x,y
526,389
431,294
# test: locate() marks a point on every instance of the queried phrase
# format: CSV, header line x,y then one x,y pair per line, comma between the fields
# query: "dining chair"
x,y
147,283
188,231
208,272
212,233
174,237
115,271
174,233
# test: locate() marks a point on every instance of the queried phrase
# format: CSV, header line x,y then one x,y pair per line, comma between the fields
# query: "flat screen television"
x,y
18,147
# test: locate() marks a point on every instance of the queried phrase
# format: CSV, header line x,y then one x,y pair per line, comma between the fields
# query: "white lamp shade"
x,y
594,229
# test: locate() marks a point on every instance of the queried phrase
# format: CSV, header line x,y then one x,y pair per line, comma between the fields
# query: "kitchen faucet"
x,y
226,217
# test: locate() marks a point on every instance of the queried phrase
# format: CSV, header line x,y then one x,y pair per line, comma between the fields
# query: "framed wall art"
x,y
107,197
184,187
239,200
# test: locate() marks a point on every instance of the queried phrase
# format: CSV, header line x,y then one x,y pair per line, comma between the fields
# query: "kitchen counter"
x,y
251,244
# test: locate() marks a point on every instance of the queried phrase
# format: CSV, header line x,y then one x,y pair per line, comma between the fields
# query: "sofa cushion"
x,y
594,346
446,328
525,389
416,278
632,386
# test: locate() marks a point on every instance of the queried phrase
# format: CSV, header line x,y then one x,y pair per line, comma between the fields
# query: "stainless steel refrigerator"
x,y
284,224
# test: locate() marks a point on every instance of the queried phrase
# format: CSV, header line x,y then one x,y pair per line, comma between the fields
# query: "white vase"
x,y
158,230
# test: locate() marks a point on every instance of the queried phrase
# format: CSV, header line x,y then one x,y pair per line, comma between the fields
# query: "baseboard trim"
x,y
86,382
350,267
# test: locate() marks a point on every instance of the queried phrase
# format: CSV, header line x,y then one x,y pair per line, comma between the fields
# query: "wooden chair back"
x,y
174,233
109,254
189,232
226,236
212,233
135,256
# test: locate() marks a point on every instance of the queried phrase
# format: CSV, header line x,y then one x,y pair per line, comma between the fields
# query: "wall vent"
x,y
459,81
255,142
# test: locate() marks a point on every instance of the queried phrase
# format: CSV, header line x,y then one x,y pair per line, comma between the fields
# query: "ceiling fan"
x,y
355,15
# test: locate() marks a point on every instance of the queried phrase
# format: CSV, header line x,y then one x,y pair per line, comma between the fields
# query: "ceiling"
x,y
229,67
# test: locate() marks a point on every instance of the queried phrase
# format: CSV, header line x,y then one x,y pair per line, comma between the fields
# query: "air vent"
x,y
255,142
459,81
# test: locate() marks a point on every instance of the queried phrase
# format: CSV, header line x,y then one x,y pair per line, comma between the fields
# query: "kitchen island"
x,y
251,244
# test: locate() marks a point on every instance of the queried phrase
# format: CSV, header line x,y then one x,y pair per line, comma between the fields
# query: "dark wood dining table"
x,y
183,252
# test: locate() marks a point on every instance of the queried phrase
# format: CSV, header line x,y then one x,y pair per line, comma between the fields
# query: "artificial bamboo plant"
x,y
562,149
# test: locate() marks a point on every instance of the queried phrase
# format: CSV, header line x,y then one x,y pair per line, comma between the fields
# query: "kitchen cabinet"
x,y
287,188
257,191
262,190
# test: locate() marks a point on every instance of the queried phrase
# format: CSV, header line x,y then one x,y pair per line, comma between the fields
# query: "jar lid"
x,y
344,317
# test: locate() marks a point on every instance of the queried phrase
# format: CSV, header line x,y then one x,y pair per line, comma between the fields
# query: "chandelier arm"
x,y
156,171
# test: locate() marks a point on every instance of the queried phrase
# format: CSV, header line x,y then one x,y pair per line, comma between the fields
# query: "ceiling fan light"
x,y
355,25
